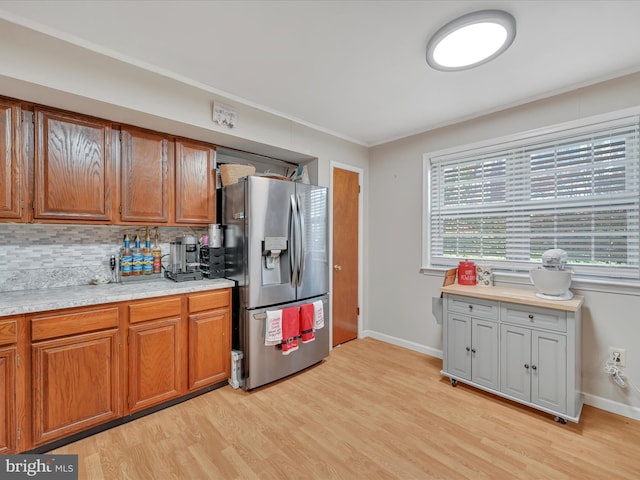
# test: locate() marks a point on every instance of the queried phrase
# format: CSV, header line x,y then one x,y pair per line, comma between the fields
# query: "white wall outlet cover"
x,y
620,353
224,115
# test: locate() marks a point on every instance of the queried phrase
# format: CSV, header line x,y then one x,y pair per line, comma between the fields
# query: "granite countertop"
x,y
40,300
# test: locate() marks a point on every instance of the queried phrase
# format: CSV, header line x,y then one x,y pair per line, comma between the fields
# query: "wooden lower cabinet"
x,y
209,348
8,413
155,352
66,371
209,338
8,385
75,384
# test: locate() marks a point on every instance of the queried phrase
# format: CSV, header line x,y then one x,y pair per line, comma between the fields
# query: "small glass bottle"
x,y
147,257
136,253
157,255
126,259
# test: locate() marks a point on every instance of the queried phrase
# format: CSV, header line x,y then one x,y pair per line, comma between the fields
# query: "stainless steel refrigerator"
x,y
276,249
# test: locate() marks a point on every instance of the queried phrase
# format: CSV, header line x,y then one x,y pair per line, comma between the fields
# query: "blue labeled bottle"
x,y
126,260
136,253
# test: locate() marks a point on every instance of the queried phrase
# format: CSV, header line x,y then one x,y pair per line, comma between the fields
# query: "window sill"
x,y
620,287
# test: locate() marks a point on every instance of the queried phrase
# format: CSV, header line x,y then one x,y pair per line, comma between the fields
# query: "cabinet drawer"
x,y
209,300
151,310
534,317
73,323
8,331
477,307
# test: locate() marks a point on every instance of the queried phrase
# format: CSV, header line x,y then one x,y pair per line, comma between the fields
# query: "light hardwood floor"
x,y
370,411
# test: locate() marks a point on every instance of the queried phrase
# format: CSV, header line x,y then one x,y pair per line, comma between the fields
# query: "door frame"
x,y
333,165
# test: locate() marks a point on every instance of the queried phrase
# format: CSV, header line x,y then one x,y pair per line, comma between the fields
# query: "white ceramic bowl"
x,y
550,282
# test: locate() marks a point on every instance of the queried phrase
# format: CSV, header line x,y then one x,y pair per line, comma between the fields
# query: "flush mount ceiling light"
x,y
471,40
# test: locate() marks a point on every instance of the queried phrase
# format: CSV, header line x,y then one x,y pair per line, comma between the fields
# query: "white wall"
x,y
399,297
38,68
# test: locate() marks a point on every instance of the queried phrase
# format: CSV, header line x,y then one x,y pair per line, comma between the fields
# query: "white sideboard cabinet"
x,y
510,342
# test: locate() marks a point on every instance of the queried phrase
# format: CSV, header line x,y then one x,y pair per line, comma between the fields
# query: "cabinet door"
x,y
144,177
209,348
549,370
75,384
459,346
154,362
8,413
195,183
515,362
12,169
74,170
484,353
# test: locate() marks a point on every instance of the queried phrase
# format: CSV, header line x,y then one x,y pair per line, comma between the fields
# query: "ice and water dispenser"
x,y
273,250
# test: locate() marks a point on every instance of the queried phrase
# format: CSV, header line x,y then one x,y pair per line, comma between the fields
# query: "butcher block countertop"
x,y
30,301
520,296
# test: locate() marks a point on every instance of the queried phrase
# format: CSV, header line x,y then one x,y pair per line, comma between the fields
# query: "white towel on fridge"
x,y
318,315
273,328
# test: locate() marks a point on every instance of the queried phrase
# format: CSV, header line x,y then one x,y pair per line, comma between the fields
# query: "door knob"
x,y
337,267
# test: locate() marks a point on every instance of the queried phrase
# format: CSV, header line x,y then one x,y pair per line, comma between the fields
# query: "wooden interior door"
x,y
346,192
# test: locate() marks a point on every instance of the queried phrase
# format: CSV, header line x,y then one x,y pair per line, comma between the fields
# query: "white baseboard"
x,y
611,406
402,343
592,400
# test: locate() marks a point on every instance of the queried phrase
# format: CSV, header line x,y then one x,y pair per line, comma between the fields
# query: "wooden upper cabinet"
x,y
74,169
13,189
195,182
144,179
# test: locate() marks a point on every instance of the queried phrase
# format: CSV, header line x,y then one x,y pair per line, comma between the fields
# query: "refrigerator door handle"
x,y
303,242
293,261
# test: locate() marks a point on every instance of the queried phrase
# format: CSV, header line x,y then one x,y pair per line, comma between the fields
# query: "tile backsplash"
x,y
36,256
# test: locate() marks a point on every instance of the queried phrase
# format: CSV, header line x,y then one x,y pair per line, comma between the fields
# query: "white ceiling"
x,y
355,69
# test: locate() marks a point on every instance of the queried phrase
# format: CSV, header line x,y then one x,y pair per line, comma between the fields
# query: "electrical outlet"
x,y
618,355
224,115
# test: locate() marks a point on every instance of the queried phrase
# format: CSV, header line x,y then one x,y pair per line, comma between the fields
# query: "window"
x,y
577,189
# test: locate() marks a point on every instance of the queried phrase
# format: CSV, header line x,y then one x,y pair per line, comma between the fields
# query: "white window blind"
x,y
577,189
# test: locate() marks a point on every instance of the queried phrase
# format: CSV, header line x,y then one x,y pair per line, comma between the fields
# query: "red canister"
x,y
467,273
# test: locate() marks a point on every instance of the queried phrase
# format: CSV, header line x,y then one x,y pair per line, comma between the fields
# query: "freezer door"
x,y
264,364
269,247
314,260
